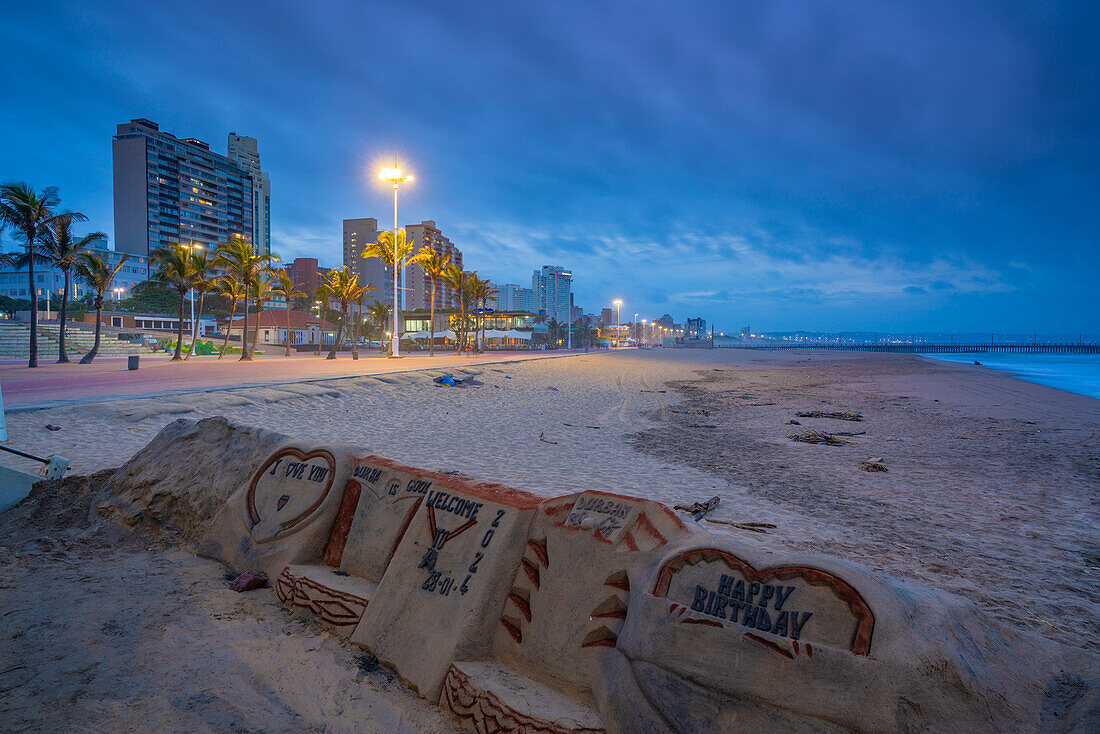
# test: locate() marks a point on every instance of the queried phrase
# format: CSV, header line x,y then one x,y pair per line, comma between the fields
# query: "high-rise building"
x,y
358,233
695,328
514,297
245,152
170,189
306,273
418,293
607,317
552,286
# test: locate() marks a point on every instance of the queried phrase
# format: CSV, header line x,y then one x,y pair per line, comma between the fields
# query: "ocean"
x,y
1078,373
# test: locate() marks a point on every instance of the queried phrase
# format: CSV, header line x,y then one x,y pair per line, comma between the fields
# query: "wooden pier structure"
x,y
919,348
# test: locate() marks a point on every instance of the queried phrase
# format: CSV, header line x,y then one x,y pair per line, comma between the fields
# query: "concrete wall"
x,y
131,197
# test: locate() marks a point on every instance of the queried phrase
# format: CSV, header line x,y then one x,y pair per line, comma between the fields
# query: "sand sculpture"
x,y
600,612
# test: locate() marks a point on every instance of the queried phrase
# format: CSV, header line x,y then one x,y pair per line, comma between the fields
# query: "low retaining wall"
x,y
593,611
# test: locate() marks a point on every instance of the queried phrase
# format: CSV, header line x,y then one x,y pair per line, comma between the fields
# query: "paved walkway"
x,y
108,378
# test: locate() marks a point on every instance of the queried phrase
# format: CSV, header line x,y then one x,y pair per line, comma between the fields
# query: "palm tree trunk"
x,y
179,333
87,358
460,335
431,324
228,326
355,337
287,352
256,334
244,335
195,335
34,300
62,355
339,329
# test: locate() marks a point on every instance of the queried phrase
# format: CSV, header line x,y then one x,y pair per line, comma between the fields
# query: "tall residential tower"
x,y
170,189
419,292
552,286
245,153
358,233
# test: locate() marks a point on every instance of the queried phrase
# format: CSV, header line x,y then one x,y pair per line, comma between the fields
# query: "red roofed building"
x,y
305,328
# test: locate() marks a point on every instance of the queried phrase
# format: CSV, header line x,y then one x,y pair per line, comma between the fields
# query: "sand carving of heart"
x,y
790,604
287,490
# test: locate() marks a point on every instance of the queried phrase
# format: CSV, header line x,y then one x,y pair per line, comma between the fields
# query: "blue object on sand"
x,y
507,377
448,381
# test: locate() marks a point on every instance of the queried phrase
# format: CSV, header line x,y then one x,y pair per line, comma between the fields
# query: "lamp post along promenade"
x,y
618,305
191,247
395,177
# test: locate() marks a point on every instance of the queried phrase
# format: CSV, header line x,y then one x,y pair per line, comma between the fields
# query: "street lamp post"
x,y
191,247
118,293
395,177
618,305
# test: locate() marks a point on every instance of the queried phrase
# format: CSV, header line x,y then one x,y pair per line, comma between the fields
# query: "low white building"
x,y
305,328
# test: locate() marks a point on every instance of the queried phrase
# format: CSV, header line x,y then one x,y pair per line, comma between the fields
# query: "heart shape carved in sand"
x,y
287,490
713,587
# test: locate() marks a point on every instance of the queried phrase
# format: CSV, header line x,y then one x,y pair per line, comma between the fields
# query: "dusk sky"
x,y
843,166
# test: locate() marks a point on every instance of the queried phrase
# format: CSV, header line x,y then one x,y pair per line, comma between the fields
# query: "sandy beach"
x,y
991,492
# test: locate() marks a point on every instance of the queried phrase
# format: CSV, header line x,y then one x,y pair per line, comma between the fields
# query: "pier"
x,y
970,348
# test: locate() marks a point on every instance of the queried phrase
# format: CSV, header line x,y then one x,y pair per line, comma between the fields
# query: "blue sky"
x,y
833,166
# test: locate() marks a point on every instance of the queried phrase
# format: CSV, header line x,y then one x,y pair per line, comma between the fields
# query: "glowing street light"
x,y
118,293
618,303
396,177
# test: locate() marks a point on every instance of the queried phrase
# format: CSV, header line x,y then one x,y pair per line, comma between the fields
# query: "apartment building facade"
x,y
169,189
50,280
418,292
553,286
358,233
514,297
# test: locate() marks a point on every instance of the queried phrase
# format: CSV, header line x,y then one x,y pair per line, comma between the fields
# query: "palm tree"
x,y
232,288
237,257
321,296
176,269
205,282
30,213
584,330
285,286
383,249
482,292
363,289
62,247
435,265
95,271
459,281
380,312
554,329
344,286
260,292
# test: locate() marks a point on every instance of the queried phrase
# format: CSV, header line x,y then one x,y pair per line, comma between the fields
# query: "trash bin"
x,y
132,362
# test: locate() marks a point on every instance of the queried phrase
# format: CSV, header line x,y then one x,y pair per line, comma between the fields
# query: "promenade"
x,y
54,385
